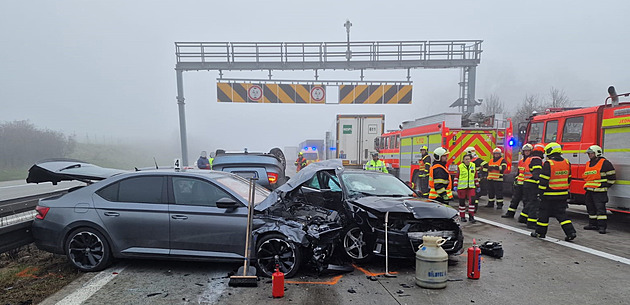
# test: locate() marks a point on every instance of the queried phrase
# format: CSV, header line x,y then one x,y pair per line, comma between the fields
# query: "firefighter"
x,y
466,183
211,159
517,194
531,200
376,165
423,171
554,186
496,167
599,175
203,162
482,170
300,163
439,178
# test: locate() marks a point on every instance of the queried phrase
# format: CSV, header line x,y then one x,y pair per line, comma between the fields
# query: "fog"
x,y
105,69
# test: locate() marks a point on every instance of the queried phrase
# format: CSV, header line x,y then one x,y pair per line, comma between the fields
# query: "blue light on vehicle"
x,y
314,148
511,142
306,148
333,148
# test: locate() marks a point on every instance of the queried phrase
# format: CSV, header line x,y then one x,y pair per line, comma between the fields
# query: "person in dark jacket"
x,y
203,162
554,186
423,171
531,200
439,178
599,175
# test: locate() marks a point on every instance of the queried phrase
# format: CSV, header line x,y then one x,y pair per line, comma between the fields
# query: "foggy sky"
x,y
105,69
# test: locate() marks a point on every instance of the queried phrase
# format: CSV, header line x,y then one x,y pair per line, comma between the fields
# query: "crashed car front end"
x,y
316,230
408,221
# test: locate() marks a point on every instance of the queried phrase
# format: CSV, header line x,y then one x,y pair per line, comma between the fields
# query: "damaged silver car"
x,y
168,214
363,199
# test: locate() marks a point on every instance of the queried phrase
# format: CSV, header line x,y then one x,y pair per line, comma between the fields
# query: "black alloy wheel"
x,y
88,250
274,250
356,246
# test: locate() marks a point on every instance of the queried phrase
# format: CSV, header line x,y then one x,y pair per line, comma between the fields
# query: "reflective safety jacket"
x,y
425,165
300,163
496,167
377,165
466,177
555,178
533,166
440,181
599,175
210,160
521,170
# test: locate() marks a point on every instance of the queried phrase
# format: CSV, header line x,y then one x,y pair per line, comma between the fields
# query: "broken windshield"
x,y
361,184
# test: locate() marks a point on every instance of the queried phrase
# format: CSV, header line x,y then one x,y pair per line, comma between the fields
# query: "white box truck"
x,y
355,137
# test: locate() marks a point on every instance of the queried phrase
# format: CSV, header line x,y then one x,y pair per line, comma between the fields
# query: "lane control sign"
x,y
254,93
318,93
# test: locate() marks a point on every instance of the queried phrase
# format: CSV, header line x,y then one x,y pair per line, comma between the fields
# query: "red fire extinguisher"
x,y
277,284
474,261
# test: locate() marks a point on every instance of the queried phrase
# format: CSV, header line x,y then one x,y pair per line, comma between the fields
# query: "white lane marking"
x,y
561,242
92,286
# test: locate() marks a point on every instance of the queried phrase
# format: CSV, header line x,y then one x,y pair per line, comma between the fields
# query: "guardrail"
x,y
16,217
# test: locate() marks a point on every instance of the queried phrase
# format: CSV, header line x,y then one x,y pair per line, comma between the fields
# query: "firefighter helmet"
x,y
496,150
439,152
424,147
300,153
595,149
527,147
470,150
553,148
539,148
374,154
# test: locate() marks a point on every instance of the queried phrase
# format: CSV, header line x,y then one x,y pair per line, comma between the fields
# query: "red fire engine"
x,y
401,149
605,125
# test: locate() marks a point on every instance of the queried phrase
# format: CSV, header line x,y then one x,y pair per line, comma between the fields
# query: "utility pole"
x,y
347,25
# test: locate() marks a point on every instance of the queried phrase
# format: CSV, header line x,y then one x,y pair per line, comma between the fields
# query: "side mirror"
x,y
228,203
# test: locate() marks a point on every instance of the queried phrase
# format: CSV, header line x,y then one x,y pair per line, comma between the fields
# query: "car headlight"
x,y
456,219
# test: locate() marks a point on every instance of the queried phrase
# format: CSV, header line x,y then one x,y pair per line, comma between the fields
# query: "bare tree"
x,y
530,104
559,98
493,105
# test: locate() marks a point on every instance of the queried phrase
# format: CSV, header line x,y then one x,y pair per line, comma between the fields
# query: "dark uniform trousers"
x,y
495,190
517,196
424,186
531,203
552,207
596,208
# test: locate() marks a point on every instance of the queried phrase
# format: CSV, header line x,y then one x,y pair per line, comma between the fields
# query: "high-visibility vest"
x,y
422,171
433,193
527,173
521,171
495,174
559,178
378,165
466,179
593,177
211,160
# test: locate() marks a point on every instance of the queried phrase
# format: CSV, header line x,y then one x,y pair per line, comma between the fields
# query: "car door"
x,y
198,227
134,212
323,190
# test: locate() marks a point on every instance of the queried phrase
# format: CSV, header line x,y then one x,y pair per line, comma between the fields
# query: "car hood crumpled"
x,y
300,177
56,170
419,208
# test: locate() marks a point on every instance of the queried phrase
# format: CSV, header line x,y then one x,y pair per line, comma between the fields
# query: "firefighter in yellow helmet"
x,y
376,164
599,175
554,186
440,183
496,168
423,171
300,163
517,194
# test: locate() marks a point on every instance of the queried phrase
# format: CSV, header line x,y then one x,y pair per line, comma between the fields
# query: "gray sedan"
x,y
188,215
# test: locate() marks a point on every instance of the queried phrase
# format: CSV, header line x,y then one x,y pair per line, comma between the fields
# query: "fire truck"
x,y
400,149
576,129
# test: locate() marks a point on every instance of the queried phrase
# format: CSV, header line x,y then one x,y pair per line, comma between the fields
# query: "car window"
x,y
109,193
145,189
192,191
375,185
535,133
314,183
240,186
572,130
551,131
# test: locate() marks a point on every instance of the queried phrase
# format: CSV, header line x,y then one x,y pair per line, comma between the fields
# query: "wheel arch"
x,y
83,224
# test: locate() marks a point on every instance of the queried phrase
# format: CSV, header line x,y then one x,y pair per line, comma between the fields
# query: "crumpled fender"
x,y
292,230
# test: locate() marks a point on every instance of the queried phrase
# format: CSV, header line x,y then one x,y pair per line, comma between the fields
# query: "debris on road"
x,y
351,290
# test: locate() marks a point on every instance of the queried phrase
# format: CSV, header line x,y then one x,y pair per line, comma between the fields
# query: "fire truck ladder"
x,y
285,56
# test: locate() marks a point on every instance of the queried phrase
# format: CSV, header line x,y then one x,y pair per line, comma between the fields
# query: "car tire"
x,y
277,249
356,246
88,250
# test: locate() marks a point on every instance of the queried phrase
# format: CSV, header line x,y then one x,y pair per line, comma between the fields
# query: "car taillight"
x,y
273,178
41,212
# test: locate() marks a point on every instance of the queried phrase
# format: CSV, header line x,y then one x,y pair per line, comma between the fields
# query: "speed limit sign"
x,y
318,93
254,93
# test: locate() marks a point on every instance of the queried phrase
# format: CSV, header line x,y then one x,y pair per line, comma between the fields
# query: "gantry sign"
x,y
360,56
